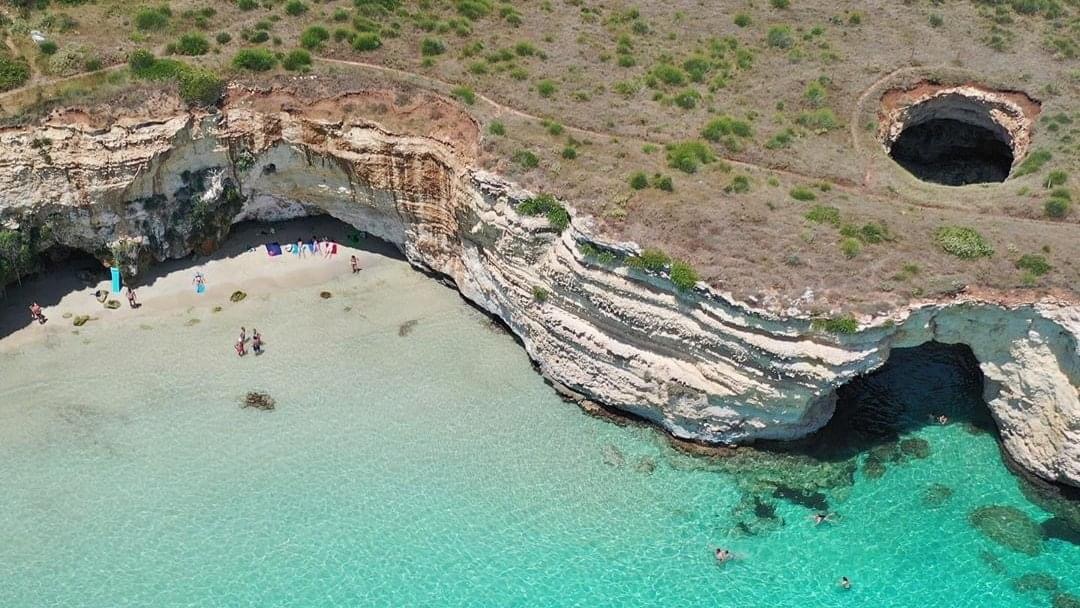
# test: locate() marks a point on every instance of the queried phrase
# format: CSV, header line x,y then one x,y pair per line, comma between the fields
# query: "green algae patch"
x,y
873,468
936,495
237,296
1065,600
1009,527
915,448
80,320
1035,581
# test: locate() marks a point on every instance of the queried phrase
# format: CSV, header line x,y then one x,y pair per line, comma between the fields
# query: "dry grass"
x,y
756,243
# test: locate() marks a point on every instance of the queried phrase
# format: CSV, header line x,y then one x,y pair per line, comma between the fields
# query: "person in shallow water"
x,y
723,555
256,341
820,518
355,264
845,583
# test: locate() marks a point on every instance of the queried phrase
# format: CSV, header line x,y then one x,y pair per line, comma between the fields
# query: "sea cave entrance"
x,y
954,140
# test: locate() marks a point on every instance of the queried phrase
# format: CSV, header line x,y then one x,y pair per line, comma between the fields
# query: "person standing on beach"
x,y
355,264
243,334
36,314
131,298
299,247
256,341
325,247
314,245
240,350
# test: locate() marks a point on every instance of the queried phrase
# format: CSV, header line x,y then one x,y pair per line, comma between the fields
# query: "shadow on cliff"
x,y
66,271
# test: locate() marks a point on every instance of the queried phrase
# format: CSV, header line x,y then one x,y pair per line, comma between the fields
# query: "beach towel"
x,y
295,249
273,249
333,249
115,279
200,287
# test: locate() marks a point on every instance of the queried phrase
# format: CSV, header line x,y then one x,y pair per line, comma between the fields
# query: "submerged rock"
x,y
992,561
915,447
1035,581
1009,527
873,468
1061,529
613,457
406,328
1065,600
936,495
326,295
815,501
755,516
645,465
258,400
887,452
237,296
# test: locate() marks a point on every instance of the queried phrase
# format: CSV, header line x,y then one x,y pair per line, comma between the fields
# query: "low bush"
x,y
497,128
802,193
1033,263
152,19
48,47
742,20
223,38
963,242
366,41
650,259
668,74
14,72
1056,178
539,293
1056,208
546,205
255,60
780,140
247,5
780,37
822,119
687,99
193,44
546,88
314,37
722,126
465,94
295,8
683,275
525,159
200,87
824,214
1033,163
569,152
850,247
429,47
739,185
662,182
297,60
844,324
639,181
687,155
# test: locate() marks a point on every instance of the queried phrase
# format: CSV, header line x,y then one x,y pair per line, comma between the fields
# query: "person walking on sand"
x,y
240,350
314,245
199,282
299,251
355,264
243,334
325,247
36,314
256,341
131,298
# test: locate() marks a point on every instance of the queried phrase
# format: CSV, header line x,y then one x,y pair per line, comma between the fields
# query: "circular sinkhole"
x,y
959,135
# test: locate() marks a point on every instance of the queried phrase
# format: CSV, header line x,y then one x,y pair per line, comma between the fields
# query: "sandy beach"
x,y
242,264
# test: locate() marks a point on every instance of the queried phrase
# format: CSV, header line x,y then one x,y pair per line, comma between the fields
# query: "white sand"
x,y
236,267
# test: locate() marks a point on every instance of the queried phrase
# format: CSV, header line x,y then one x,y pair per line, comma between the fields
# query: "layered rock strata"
x,y
694,362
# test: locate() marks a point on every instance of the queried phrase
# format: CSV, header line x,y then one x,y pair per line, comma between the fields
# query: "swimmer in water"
x,y
845,583
723,555
820,518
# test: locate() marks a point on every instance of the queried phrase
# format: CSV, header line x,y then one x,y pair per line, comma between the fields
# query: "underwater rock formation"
x,y
1009,527
147,187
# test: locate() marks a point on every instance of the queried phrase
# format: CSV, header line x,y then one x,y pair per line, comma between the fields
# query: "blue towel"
x,y
273,249
115,280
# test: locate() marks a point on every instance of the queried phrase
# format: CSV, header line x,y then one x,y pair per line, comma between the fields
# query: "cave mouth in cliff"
x,y
954,140
876,412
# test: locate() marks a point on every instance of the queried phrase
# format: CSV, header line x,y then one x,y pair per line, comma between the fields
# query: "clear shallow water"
x,y
430,469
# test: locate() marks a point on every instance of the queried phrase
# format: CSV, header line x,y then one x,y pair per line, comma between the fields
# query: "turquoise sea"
x,y
415,458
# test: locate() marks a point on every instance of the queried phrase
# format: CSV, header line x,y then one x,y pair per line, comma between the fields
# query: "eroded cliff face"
x,y
695,363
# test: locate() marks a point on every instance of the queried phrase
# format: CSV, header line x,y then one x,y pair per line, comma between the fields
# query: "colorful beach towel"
x,y
273,249
115,279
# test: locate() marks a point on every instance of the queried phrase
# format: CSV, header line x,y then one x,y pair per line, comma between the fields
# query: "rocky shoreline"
x,y
691,360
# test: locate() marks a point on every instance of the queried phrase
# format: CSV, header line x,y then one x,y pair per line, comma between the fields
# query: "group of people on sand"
x,y
101,295
256,342
316,246
723,555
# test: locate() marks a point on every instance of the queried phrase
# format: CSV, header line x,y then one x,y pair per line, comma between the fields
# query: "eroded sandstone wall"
x,y
696,363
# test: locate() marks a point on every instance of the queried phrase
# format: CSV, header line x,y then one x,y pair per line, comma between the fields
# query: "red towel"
x,y
333,249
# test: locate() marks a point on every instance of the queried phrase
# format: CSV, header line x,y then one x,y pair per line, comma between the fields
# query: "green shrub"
x,y
844,324
874,233
683,275
802,193
525,159
742,20
539,293
650,259
663,182
223,38
430,47
13,72
814,93
780,37
962,242
340,15
822,119
247,5
255,60
780,3
546,88
569,152
465,94
639,181
497,128
474,9
686,156
1056,178
201,87
1033,162
152,19
366,41
824,214
314,37
687,99
295,8
193,44
545,204
936,20
668,74
739,185
722,126
1033,263
1061,193
296,60
1056,208
48,47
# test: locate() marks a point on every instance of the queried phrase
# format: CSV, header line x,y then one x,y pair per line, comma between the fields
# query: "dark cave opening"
x,y
953,152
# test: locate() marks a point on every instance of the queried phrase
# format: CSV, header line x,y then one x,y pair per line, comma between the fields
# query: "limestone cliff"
x,y
694,362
